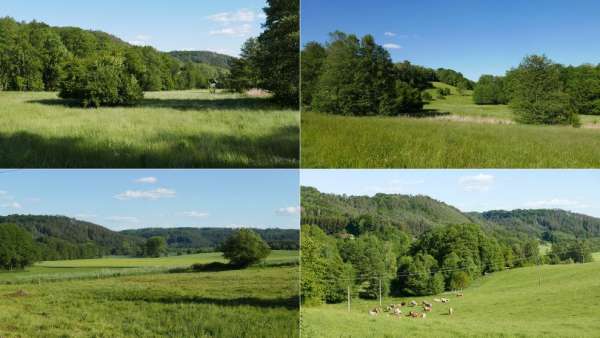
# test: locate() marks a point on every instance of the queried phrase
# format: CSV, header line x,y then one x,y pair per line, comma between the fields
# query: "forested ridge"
x,y
60,237
203,56
35,56
416,245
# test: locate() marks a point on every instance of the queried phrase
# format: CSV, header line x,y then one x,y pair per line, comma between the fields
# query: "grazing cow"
x,y
427,308
375,311
427,304
397,312
460,294
413,303
450,311
445,300
437,300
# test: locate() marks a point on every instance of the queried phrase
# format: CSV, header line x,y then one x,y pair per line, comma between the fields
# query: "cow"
x,y
413,303
402,303
460,294
445,300
437,300
427,304
375,311
427,308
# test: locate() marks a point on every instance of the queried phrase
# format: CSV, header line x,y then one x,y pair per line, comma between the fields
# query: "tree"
x,y
417,276
537,93
278,61
582,84
244,247
17,248
490,90
312,57
244,72
155,246
103,81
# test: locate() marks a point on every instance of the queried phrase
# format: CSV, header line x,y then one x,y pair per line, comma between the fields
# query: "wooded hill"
x,y
416,214
60,237
203,56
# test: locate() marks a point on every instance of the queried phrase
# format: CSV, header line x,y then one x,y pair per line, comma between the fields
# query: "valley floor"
x,y
255,302
547,301
179,129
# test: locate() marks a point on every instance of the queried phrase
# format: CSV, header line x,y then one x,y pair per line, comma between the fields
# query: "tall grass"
x,y
401,142
178,129
547,301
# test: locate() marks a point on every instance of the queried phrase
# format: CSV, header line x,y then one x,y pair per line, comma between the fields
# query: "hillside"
x,y
524,302
203,56
419,213
208,239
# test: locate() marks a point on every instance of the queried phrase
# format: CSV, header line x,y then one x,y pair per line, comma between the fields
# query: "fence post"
x,y
380,300
348,297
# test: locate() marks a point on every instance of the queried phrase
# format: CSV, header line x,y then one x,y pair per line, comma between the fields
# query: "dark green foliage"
x,y
490,90
244,247
244,72
576,251
358,78
66,238
582,84
312,58
210,239
279,60
324,275
537,94
442,92
415,76
453,78
202,56
417,277
155,247
17,249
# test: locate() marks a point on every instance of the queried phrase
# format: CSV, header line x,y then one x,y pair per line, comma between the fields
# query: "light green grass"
x,y
111,266
596,256
168,129
505,304
330,141
257,302
254,302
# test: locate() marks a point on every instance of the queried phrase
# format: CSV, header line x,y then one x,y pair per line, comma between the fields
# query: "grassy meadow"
x,y
260,301
566,303
172,129
452,133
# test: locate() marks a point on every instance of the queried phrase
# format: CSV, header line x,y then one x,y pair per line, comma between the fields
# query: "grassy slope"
x,y
256,302
505,304
86,267
168,129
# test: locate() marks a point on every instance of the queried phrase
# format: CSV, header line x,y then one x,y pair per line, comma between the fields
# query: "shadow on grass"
x,y
290,303
205,150
426,113
245,103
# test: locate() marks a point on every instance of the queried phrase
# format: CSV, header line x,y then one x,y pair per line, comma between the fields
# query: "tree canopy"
x,y
17,248
244,247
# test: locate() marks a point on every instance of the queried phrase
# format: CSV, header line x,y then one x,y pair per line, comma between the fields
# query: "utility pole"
x,y
348,297
380,301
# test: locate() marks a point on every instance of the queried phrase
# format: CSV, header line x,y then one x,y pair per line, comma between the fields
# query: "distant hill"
x,y
416,214
209,239
203,56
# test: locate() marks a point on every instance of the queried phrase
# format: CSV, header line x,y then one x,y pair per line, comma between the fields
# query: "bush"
x,y
103,81
244,247
408,99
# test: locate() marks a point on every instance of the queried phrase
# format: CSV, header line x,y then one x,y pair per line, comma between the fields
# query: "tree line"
x,y
352,76
540,91
271,61
93,67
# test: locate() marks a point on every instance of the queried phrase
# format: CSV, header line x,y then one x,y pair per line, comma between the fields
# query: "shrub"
x,y
244,247
408,99
102,81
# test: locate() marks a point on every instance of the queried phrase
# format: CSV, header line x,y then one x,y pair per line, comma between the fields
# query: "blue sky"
x,y
472,190
220,26
126,199
471,36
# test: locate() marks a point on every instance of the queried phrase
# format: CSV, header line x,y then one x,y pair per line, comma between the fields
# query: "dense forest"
x,y
29,238
542,91
415,245
203,56
35,56
352,76
210,239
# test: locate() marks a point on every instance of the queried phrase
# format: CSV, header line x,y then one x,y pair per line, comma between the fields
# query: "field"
x,y
180,129
453,133
256,302
566,303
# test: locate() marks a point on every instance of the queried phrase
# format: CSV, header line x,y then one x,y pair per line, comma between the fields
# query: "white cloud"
x,y
389,34
392,46
242,30
394,186
149,180
479,183
195,214
242,15
88,216
557,203
288,211
126,219
12,205
141,40
146,194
